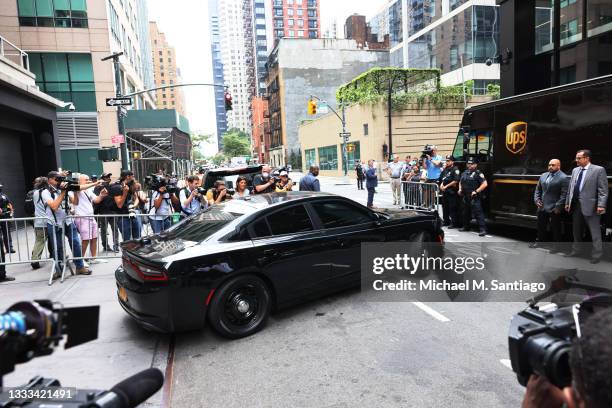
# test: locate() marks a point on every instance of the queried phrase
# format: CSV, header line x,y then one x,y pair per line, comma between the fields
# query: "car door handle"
x,y
341,243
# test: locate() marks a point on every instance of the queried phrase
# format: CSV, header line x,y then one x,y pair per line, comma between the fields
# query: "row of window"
x,y
278,12
294,34
53,13
328,156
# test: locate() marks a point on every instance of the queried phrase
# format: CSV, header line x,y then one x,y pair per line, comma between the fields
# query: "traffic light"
x,y
312,107
228,101
136,155
350,148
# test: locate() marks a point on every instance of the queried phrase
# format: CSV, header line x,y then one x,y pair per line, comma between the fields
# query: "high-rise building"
x,y
296,18
456,36
217,69
356,28
66,42
165,71
235,41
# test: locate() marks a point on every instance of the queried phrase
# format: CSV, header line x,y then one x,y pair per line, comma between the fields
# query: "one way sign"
x,y
118,101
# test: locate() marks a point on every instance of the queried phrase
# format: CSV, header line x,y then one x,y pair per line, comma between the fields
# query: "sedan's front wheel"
x,y
240,307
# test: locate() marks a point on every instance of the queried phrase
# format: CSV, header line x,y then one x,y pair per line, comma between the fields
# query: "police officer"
x,y
6,212
449,187
471,186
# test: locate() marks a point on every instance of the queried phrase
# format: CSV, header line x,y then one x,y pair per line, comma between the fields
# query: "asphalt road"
x,y
340,351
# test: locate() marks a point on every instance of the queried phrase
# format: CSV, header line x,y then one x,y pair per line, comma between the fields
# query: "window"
x,y
290,22
544,26
300,23
328,158
312,24
310,156
569,32
278,23
599,17
290,221
278,12
353,153
53,13
260,229
300,33
289,12
291,33
336,214
68,77
366,129
300,12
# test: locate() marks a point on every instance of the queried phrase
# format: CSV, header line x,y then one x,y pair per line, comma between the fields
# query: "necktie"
x,y
550,175
577,185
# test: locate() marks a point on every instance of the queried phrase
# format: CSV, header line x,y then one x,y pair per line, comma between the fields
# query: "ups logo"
x,y
516,137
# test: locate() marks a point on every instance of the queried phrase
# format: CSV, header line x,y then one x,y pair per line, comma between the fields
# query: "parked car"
x,y
235,263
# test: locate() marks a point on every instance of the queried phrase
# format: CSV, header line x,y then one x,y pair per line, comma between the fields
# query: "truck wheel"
x,y
240,307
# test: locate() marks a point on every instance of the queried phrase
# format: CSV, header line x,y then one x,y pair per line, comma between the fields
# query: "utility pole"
x,y
345,138
125,163
390,123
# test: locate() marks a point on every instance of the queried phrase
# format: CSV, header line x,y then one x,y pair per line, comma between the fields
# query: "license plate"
x,y
122,294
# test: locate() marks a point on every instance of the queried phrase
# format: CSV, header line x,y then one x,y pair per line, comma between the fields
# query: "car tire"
x,y
420,245
240,307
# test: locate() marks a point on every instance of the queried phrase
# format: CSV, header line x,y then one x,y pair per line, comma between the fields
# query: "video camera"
x,y
71,183
154,182
427,151
540,337
33,329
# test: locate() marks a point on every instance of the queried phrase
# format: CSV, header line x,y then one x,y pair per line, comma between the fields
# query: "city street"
x,y
340,351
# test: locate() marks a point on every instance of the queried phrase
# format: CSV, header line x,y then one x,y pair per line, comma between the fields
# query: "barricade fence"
x,y
420,196
78,241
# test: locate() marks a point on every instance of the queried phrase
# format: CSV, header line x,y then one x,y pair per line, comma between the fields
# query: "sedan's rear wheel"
x,y
240,307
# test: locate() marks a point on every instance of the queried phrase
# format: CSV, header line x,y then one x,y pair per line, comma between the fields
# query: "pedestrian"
x,y
310,182
412,190
56,200
371,182
105,210
549,197
122,194
449,187
471,186
360,174
140,201
433,164
394,169
242,190
6,213
85,222
40,223
586,200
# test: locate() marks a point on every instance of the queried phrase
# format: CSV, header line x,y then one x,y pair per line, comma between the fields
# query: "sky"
x,y
185,24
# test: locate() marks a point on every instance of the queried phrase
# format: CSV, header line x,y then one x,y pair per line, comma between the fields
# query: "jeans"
x,y
104,224
74,240
130,228
160,225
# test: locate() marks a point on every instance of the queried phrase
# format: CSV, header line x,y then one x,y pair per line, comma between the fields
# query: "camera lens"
x,y
549,356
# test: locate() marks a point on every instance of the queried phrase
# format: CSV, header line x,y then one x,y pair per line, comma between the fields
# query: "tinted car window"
x,y
260,229
335,214
203,225
289,221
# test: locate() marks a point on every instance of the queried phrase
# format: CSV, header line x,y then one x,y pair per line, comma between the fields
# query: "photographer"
x,y
590,364
55,198
162,209
40,225
218,193
86,224
433,163
192,200
6,212
285,183
122,194
264,183
105,207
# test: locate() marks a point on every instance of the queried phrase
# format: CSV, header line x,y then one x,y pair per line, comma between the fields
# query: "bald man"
x,y
549,197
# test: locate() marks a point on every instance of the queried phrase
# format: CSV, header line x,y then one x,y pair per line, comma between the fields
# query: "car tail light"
x,y
440,238
146,272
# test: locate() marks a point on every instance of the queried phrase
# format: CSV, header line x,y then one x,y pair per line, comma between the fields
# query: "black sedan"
x,y
233,264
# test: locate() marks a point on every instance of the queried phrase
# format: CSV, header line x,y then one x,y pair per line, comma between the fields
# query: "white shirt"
x,y
85,205
194,206
59,215
39,210
396,169
164,210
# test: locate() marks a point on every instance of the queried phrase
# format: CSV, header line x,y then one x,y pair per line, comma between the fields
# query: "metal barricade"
x,y
29,244
420,196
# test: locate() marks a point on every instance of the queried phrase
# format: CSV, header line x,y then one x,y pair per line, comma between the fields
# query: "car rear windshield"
x,y
208,222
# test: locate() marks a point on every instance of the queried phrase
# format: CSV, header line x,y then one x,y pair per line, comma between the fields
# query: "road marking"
x,y
431,312
506,362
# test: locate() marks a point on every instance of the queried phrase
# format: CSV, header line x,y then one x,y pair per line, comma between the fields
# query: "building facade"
x,y
553,43
356,28
299,68
261,129
217,70
456,36
66,42
296,18
165,71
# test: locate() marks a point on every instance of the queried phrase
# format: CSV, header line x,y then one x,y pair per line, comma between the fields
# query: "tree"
x,y
198,142
236,143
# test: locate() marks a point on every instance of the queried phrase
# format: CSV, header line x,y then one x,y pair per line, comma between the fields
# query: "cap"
x,y
451,157
105,175
283,173
53,174
471,160
126,173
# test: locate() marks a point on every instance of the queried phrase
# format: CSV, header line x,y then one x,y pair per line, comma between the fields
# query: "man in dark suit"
x,y
371,182
587,199
549,197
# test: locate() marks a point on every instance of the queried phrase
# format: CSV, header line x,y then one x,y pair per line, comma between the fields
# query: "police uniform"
x,y
450,198
5,230
472,206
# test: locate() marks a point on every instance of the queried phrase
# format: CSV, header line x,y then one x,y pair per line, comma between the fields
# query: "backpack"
x,y
28,205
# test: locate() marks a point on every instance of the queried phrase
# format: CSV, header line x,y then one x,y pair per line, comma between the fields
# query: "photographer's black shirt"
x,y
116,189
107,203
258,180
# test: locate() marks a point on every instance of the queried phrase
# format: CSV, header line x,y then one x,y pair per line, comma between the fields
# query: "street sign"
x,y
323,107
345,134
118,139
119,101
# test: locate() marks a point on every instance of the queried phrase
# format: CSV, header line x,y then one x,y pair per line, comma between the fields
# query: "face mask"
x,y
265,175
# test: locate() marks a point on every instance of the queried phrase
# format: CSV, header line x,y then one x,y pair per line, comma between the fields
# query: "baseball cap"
x,y
451,157
126,173
283,173
105,175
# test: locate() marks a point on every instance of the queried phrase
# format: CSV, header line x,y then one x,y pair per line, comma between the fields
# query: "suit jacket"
x,y
371,178
594,191
552,194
